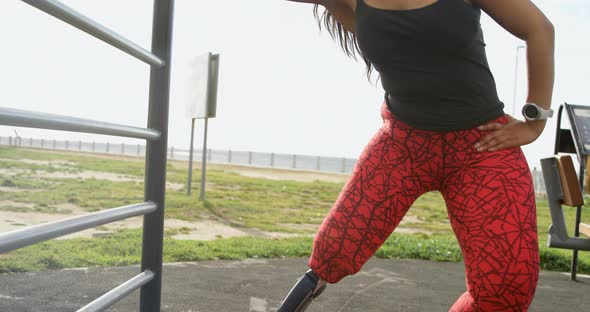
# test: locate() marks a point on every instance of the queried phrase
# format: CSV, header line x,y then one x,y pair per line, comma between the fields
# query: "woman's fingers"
x,y
491,141
490,126
495,137
501,136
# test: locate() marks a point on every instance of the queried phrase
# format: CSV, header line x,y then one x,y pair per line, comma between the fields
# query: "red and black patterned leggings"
x,y
490,203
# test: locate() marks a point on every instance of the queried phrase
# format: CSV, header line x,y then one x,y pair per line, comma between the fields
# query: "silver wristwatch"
x,y
532,111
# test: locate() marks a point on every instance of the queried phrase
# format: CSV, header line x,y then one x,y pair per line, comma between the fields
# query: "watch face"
x,y
531,112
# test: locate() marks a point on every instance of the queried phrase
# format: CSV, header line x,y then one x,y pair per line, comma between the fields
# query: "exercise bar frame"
x,y
149,281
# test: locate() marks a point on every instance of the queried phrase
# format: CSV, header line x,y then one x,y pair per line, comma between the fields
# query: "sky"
x,y
284,86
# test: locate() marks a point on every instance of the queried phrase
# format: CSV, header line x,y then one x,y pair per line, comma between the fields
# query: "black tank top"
x,y
432,64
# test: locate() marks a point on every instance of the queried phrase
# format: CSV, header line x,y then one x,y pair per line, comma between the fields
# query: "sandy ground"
x,y
197,230
194,230
84,175
283,174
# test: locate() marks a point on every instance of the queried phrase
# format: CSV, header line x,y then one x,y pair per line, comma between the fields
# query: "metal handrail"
x,y
105,301
38,233
23,118
78,20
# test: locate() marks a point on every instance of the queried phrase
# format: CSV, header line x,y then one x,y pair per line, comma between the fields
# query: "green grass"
x,y
124,248
269,205
241,201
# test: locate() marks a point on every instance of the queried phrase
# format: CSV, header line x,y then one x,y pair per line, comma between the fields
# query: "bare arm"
x,y
525,21
309,1
342,10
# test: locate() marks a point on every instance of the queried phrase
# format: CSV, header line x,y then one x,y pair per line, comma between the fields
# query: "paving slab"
x,y
259,285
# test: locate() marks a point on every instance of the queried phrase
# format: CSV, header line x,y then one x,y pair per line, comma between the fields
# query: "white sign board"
x,y
202,87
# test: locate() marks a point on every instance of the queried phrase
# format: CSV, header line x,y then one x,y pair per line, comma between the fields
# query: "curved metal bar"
x,y
107,300
22,118
86,24
38,233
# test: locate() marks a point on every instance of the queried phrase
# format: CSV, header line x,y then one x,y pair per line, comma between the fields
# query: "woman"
x,y
444,129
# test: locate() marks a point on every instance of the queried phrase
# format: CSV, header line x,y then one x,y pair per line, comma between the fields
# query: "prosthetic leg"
x,y
302,293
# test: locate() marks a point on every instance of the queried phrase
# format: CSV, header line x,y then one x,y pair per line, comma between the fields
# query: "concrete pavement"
x,y
258,285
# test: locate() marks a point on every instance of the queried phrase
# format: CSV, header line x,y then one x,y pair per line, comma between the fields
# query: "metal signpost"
x,y
202,104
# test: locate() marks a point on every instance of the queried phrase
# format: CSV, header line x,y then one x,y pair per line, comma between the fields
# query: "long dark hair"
x,y
345,38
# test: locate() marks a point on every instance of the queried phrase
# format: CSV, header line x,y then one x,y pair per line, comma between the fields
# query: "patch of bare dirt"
x,y
87,174
52,163
12,220
300,226
10,172
196,230
8,203
283,174
405,229
83,175
17,189
270,173
202,230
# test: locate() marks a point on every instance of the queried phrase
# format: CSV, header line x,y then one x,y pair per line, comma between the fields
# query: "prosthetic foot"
x,y
302,293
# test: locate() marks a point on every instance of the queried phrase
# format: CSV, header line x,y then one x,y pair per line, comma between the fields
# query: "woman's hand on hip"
x,y
512,134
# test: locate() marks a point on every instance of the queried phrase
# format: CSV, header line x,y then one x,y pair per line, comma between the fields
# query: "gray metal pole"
x,y
190,160
204,162
574,269
155,178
